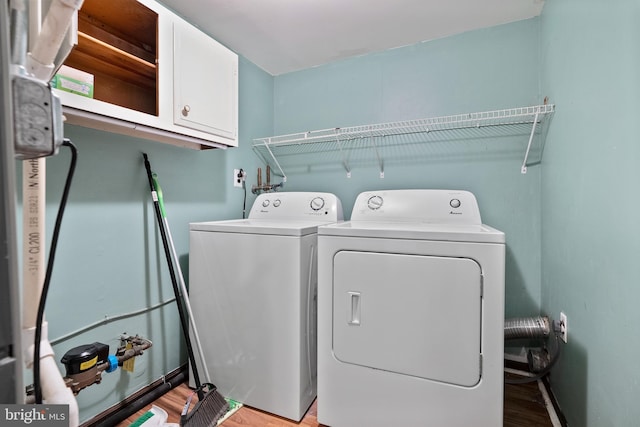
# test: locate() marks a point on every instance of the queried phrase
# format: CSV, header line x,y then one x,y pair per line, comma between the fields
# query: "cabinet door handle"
x,y
185,110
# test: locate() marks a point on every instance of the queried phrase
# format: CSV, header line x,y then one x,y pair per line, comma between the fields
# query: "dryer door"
x,y
409,314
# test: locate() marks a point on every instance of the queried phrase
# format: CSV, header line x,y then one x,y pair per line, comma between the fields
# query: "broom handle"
x,y
183,286
174,282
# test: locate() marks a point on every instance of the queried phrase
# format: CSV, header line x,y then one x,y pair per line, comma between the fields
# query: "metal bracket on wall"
x,y
523,169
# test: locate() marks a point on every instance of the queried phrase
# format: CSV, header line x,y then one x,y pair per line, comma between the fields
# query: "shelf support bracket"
x,y
375,150
345,163
523,169
284,176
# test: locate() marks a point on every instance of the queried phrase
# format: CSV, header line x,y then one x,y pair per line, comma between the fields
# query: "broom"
x,y
211,404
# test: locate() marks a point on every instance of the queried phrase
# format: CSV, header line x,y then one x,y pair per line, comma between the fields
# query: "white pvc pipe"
x,y
40,64
33,238
54,29
54,389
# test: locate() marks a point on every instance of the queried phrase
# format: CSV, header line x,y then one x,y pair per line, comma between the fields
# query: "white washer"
x,y
253,291
411,313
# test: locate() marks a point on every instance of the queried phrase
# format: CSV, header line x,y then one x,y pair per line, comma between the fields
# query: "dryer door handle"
x,y
353,317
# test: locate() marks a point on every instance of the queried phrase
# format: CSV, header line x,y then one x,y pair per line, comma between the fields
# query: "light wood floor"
x,y
524,406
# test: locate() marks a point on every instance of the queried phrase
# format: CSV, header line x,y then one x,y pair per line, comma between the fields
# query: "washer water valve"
x,y
84,364
268,187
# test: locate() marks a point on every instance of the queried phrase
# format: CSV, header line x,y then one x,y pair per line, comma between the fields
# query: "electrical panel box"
x,y
37,118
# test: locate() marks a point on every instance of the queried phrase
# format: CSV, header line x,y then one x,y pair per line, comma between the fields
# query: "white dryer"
x,y
411,313
253,292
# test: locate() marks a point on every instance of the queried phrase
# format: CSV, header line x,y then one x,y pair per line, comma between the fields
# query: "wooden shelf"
x,y
120,43
118,46
141,47
127,20
124,65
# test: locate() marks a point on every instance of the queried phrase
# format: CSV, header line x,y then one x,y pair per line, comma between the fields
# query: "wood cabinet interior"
x,y
117,43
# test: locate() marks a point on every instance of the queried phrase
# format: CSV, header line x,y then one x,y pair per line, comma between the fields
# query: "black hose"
x,y
174,282
47,279
244,201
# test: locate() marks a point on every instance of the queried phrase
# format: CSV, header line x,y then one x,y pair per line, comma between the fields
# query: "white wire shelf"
x,y
341,140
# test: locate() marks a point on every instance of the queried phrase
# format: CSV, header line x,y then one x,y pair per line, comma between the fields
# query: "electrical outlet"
x,y
238,177
564,327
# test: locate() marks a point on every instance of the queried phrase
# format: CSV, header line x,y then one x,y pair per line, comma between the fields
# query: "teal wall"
x,y
478,71
110,259
569,223
590,66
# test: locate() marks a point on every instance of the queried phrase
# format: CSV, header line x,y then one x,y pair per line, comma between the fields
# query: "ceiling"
x,y
281,36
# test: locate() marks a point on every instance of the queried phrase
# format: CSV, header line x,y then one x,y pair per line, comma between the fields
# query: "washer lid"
x,y
414,231
257,226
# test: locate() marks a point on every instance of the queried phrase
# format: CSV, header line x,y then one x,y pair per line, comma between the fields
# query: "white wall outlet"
x,y
564,327
238,177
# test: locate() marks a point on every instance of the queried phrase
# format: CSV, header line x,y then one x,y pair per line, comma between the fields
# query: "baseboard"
x,y
552,397
101,417
110,412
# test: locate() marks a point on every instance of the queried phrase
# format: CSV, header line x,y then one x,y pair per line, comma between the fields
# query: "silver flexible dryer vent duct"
x,y
527,327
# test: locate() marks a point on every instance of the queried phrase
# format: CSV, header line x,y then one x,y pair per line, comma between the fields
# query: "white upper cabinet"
x,y
205,83
155,76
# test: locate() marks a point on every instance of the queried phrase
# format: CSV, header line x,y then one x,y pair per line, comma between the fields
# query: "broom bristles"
x,y
206,412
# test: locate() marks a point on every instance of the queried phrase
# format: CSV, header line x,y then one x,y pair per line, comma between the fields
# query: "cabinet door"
x,y
205,83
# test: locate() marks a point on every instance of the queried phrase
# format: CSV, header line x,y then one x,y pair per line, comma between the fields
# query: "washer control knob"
x,y
375,202
265,203
276,203
454,203
317,203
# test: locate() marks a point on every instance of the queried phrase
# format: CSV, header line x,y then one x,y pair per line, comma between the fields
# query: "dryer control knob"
x,y
265,203
317,203
454,203
276,203
375,202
